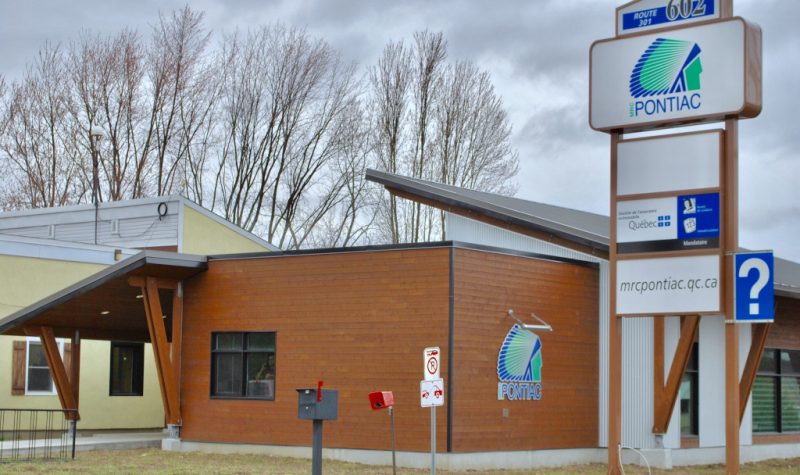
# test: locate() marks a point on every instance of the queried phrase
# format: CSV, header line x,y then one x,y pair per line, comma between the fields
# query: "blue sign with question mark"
x,y
754,293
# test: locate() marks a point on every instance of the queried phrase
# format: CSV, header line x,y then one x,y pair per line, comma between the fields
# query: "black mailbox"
x,y
312,407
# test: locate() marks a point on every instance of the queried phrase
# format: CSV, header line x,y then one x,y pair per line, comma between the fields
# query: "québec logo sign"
x,y
666,79
519,366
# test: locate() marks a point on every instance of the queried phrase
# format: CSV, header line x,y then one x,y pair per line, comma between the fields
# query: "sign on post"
x,y
668,163
431,393
430,361
675,223
645,15
754,293
668,286
694,74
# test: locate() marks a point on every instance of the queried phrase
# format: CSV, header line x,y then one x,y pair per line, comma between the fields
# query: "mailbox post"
x,y
385,400
317,405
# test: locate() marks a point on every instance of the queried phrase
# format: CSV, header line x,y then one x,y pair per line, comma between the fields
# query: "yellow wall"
x,y
98,409
202,235
25,280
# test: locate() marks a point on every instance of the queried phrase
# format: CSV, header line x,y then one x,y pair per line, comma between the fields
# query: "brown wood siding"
x,y
785,332
566,296
358,321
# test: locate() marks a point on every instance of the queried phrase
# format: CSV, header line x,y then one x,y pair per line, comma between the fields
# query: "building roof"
x,y
579,227
78,305
138,223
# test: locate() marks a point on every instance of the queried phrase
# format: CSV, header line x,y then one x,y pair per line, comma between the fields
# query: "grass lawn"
x,y
155,461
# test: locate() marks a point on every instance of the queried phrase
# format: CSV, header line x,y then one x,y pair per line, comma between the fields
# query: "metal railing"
x,y
28,434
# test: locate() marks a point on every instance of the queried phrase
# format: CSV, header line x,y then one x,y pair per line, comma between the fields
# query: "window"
x,y
776,392
243,365
37,373
689,395
127,369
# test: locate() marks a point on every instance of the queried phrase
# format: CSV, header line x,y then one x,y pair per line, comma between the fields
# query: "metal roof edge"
x,y
501,213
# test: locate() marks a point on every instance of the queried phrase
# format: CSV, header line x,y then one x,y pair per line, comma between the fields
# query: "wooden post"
x,y
614,331
66,395
757,343
666,394
158,340
730,243
177,334
75,367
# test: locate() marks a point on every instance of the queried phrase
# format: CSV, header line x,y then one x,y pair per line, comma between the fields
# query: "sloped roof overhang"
x,y
105,306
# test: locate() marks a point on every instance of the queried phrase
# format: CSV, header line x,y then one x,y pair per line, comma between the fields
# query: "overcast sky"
x,y
537,52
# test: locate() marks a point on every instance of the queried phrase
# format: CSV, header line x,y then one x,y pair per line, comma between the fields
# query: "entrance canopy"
x,y
108,305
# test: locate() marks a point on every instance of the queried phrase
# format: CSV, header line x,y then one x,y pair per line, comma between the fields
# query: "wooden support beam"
x,y
758,341
177,334
158,339
66,394
666,396
75,367
161,283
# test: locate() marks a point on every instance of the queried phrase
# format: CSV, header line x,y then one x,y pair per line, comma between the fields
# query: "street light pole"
x,y
96,134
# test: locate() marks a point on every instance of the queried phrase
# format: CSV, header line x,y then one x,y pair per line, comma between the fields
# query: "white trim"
x,y
21,246
181,219
37,340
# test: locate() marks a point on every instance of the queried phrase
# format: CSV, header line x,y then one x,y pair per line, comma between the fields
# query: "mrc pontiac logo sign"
x,y
666,78
699,73
519,366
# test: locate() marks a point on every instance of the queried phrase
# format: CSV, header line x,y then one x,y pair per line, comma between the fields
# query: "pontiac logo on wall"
x,y
519,366
666,79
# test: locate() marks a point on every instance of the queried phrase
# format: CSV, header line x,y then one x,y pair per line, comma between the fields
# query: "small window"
x,y
127,369
38,380
689,395
243,365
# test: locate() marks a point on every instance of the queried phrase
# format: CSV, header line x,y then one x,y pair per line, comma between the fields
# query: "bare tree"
x,y
107,75
176,52
390,81
436,121
472,144
285,98
39,141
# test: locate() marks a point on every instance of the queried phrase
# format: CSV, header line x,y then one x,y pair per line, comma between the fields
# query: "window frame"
x,y
778,376
243,352
36,340
138,370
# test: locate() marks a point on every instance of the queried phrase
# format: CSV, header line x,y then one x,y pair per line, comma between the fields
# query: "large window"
x,y
38,379
776,392
243,365
127,369
689,396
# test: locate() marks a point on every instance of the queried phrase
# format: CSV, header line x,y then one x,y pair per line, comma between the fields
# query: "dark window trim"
x,y
242,352
138,367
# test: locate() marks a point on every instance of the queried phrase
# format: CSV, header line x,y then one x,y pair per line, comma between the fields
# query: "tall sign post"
x,y
431,392
674,212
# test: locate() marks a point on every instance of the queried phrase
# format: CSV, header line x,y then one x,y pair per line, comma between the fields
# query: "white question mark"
x,y
763,278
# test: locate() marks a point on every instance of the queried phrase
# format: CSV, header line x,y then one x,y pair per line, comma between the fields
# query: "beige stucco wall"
x,y
25,280
203,235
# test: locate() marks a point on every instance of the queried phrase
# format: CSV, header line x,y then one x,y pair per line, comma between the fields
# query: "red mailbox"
x,y
381,400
